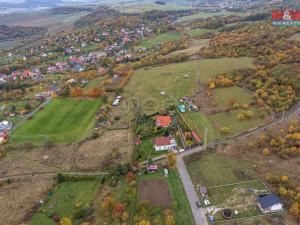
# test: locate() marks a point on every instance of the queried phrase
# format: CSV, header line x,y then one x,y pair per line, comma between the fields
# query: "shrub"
x,y
225,130
266,152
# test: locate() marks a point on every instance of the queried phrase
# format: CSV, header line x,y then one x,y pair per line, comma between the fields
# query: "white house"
x,y
164,143
270,203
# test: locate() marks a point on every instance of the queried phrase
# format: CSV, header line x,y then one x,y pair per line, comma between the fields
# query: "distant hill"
x,y
11,32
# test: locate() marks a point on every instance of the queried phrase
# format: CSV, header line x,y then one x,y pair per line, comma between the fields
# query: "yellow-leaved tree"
x,y
65,221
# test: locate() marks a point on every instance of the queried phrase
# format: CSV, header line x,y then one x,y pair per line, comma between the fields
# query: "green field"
x,y
144,7
63,200
146,84
63,120
218,169
198,121
202,15
200,31
222,96
170,36
182,210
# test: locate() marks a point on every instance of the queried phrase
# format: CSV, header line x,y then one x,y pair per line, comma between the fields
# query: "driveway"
x,y
189,189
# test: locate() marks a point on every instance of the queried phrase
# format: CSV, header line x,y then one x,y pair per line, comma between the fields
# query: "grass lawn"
x,y
62,201
222,96
169,36
95,83
63,120
148,6
146,150
218,169
200,31
146,84
182,210
202,15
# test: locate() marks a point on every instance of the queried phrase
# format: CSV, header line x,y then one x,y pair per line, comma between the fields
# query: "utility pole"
x,y
205,138
282,119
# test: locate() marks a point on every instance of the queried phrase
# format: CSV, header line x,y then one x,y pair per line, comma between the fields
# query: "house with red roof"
x,y
196,138
164,143
163,121
101,70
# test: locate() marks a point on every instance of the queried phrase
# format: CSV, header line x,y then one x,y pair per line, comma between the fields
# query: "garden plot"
x,y
156,192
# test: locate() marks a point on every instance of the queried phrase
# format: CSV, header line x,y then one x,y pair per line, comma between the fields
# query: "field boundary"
x,y
237,183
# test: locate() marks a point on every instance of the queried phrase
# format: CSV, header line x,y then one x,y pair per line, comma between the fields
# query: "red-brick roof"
x,y
162,141
163,121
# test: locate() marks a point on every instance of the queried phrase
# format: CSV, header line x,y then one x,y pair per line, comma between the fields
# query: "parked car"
x,y
198,204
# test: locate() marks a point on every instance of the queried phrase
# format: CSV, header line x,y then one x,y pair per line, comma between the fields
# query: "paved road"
x,y
198,213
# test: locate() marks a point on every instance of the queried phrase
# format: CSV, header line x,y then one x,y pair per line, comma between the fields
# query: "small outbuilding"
x,y
152,168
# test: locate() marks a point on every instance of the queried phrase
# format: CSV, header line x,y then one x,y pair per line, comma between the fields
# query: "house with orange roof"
x,y
163,121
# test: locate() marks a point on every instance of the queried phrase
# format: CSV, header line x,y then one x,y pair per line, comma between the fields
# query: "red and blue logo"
x,y
286,17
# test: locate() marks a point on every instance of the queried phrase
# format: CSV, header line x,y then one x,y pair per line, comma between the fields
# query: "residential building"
x,y
164,143
270,203
163,121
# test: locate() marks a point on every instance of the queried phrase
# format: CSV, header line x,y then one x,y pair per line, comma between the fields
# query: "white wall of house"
x,y
162,148
274,208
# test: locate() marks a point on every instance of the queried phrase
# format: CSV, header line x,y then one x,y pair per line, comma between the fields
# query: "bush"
x,y
225,130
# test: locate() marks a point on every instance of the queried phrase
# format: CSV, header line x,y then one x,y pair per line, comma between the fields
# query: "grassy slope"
x,y
170,36
63,120
202,15
146,84
63,200
200,31
222,96
143,7
182,211
199,121
218,169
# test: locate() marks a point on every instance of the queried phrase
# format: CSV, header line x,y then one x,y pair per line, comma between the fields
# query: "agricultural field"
x,y
54,23
173,189
170,36
9,44
194,46
66,200
202,15
144,7
146,84
62,120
